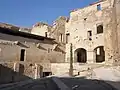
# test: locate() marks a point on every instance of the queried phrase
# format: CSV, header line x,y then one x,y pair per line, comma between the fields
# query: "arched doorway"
x,y
99,54
81,55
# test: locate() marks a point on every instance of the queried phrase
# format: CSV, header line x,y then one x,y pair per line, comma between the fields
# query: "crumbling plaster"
x,y
85,19
40,29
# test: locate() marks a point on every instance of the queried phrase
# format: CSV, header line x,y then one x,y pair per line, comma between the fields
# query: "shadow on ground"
x,y
64,83
11,80
7,75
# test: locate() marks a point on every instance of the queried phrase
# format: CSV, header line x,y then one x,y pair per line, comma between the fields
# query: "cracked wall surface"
x,y
37,53
41,29
86,19
117,7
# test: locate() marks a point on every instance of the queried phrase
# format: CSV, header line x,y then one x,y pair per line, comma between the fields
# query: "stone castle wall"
x,y
86,19
37,52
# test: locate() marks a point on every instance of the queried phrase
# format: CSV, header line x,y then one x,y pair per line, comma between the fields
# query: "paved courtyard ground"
x,y
55,83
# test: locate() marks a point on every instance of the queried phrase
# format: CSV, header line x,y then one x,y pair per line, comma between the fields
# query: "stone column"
x,y
36,71
67,56
90,56
14,67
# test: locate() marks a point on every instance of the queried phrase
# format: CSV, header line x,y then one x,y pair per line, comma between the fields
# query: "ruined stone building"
x,y
27,30
93,31
41,29
56,31
44,49
24,55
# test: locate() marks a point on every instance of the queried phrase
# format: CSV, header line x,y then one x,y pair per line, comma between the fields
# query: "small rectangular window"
x,y
99,29
90,35
99,7
61,38
22,56
67,37
45,34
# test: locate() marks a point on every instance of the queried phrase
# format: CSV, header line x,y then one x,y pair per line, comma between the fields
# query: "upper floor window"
x,y
90,35
45,34
99,29
99,7
22,55
85,19
67,37
61,38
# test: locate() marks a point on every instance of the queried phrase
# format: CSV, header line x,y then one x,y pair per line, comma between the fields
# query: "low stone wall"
x,y
62,69
20,71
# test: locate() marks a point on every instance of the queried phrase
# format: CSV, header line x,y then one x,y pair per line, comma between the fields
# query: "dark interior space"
x,y
45,74
81,55
99,29
22,55
100,54
21,69
7,75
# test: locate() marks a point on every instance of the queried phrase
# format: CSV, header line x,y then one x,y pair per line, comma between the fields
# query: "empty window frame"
x,y
90,35
45,34
61,38
22,55
99,29
99,7
67,37
85,19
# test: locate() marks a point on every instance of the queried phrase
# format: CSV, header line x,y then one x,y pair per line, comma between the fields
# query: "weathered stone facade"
x,y
41,29
117,19
25,55
94,32
58,29
83,28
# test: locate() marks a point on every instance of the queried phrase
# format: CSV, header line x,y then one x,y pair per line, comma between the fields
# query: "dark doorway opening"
x,y
21,69
81,55
46,34
100,54
22,56
45,74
